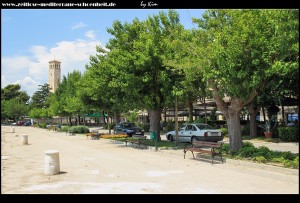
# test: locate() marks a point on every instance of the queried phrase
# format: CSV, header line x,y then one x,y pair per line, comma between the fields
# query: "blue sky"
x,y
30,38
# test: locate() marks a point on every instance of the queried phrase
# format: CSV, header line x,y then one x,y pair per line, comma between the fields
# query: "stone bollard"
x,y
12,130
24,139
51,162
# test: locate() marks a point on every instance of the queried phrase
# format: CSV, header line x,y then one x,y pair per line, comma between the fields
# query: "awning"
x,y
95,115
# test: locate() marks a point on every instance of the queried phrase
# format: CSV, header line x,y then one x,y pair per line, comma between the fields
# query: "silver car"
x,y
196,131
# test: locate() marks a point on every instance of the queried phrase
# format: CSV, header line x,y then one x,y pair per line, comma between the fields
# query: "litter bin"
x,y
152,136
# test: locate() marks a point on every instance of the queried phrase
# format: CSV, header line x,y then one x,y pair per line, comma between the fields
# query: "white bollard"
x,y
24,139
51,162
12,130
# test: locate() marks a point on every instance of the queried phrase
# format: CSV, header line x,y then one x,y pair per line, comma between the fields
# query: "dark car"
x,y
129,128
27,123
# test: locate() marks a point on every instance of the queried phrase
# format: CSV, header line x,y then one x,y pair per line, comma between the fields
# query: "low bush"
x,y
263,154
224,131
64,129
79,129
288,134
42,125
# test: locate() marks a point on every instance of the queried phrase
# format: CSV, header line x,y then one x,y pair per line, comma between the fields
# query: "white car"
x,y
196,131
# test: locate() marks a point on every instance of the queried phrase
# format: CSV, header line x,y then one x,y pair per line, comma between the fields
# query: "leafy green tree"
x,y
14,108
136,60
39,98
72,102
239,52
12,91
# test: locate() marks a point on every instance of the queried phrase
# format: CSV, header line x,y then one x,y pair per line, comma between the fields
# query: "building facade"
x,y
54,75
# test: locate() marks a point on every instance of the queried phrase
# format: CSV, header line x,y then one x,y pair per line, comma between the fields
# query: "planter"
x,y
268,134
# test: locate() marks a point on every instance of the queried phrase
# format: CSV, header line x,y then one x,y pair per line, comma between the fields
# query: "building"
x,y
54,75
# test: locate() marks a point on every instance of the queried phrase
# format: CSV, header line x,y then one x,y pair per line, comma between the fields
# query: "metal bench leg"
x,y
193,154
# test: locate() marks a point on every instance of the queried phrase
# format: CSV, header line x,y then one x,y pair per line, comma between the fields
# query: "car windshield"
x,y
204,126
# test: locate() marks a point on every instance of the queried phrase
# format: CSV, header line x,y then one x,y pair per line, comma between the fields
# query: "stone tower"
x,y
54,75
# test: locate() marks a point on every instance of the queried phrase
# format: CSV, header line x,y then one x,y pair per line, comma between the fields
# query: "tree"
x,y
135,62
241,50
14,108
39,98
12,91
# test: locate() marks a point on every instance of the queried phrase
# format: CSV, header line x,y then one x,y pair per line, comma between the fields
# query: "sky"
x,y
30,38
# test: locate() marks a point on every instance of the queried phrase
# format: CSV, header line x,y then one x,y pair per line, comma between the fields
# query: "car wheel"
x,y
170,137
194,139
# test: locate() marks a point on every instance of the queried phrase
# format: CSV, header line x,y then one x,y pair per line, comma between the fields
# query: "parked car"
x,y
196,131
27,123
129,128
20,123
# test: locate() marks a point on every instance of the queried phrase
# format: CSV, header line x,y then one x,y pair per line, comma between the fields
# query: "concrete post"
x,y
24,139
51,162
12,130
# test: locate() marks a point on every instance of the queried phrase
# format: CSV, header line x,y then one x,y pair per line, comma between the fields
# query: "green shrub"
x,y
260,159
79,129
288,155
263,151
65,129
225,148
42,125
289,134
247,152
224,131
248,144
292,164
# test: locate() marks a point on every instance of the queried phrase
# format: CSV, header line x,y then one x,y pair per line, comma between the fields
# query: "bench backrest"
x,y
139,136
206,144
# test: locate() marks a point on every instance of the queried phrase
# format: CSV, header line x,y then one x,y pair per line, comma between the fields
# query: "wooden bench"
x,y
94,135
137,139
213,148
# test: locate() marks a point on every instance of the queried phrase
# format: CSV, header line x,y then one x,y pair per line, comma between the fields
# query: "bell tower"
x,y
54,75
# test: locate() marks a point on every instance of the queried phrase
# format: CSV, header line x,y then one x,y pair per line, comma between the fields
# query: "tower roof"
x,y
54,61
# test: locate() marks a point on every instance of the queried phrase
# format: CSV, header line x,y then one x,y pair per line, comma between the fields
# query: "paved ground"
x,y
103,167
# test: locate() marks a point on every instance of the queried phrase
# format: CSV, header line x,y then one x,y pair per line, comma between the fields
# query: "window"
x,y
291,117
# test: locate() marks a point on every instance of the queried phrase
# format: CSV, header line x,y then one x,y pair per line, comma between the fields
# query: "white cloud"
x,y
78,26
91,34
28,84
31,71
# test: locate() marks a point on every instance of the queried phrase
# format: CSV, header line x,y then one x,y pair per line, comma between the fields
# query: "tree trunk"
x,y
191,111
205,112
234,130
283,117
117,117
78,123
253,126
108,123
103,118
155,122
231,113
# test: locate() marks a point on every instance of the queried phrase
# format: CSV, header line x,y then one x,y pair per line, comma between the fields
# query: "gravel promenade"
x,y
104,167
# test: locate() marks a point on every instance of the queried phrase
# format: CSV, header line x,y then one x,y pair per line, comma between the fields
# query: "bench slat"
x,y
205,147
